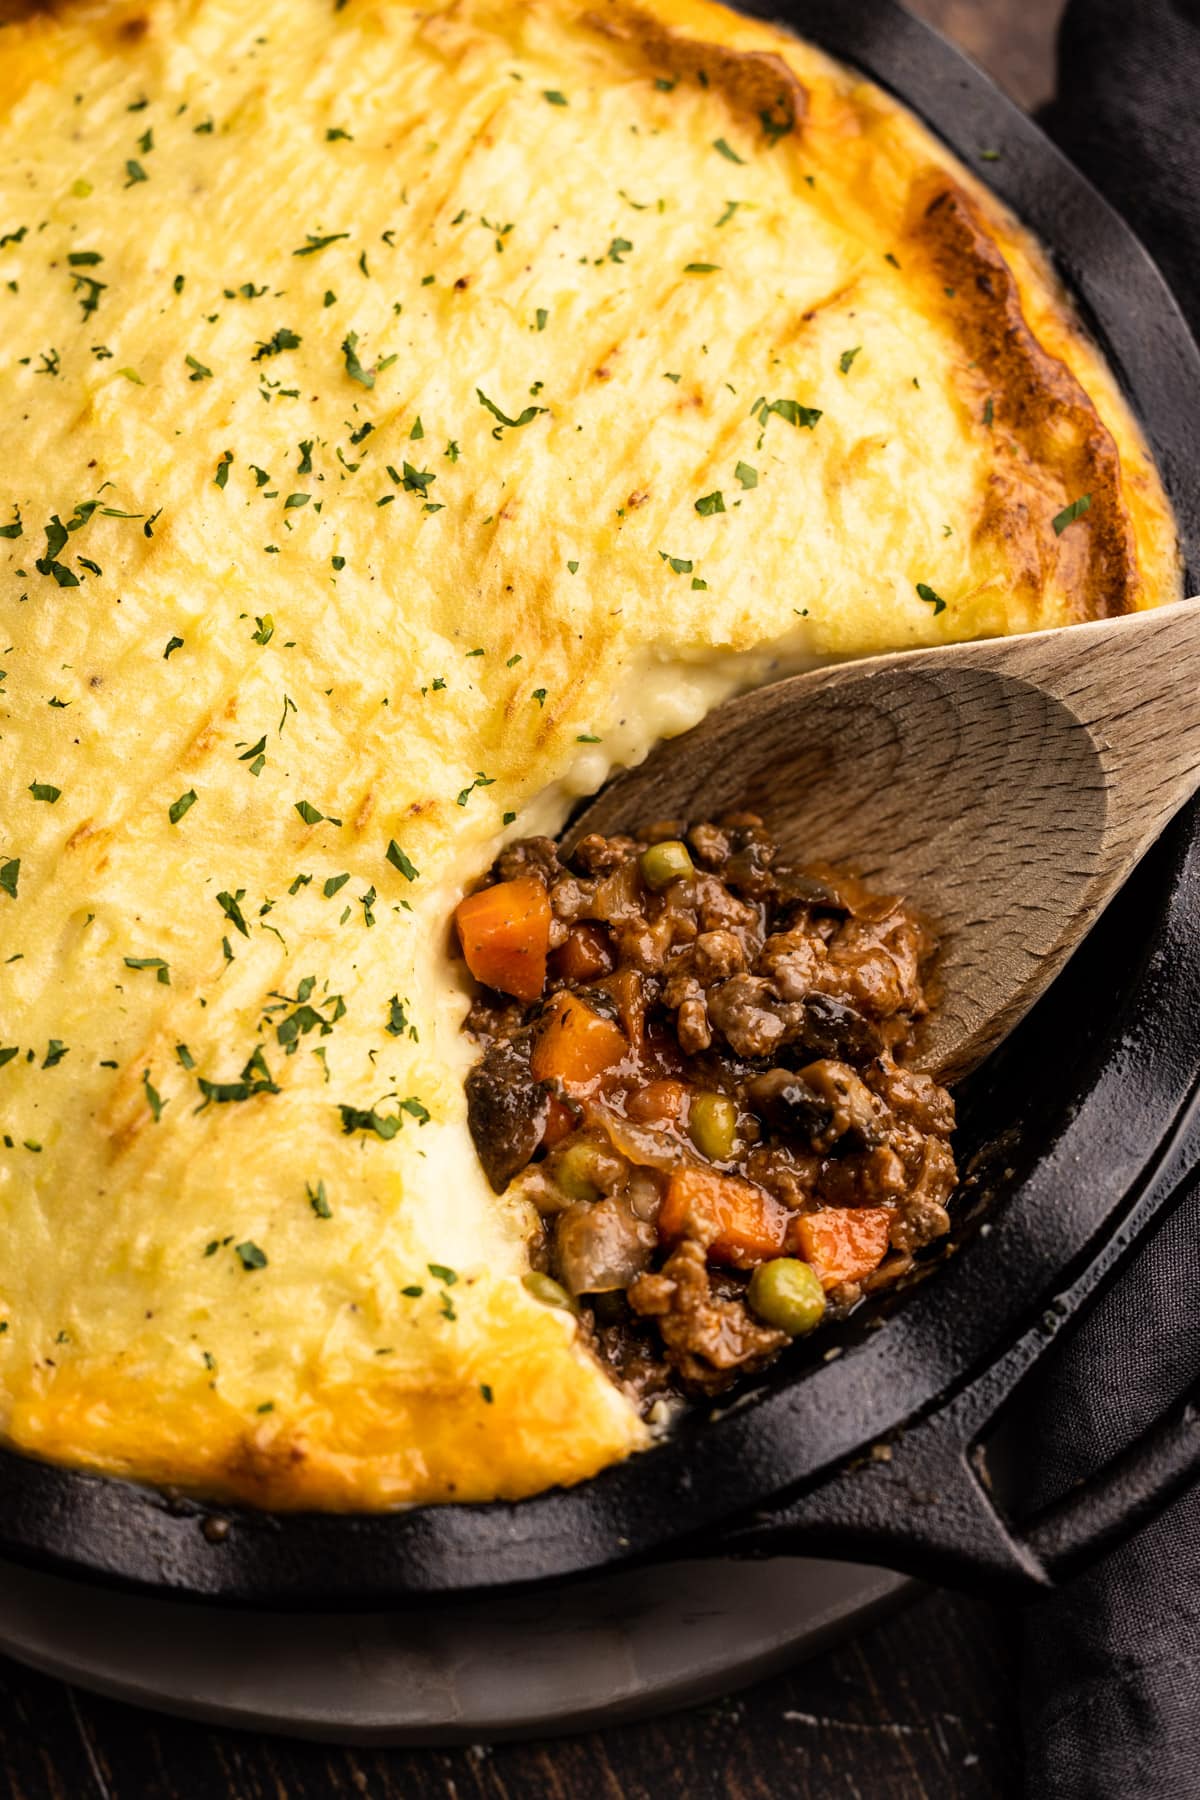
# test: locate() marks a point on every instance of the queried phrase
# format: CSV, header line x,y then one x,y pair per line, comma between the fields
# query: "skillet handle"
x,y
922,1504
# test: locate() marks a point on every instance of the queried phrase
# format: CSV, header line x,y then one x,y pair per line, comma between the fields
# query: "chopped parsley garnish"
x,y
294,501
682,565
354,368
135,172
441,1273
305,1017
178,807
727,151
55,1051
264,629
416,481
318,1201
357,1118
709,504
335,884
16,529
847,357
9,874
42,790
481,780
397,1023
154,1099
1069,514
308,812
541,315
229,905
398,860
199,371
251,1257
747,476
789,410
318,243
254,1079
56,538
554,97
523,418
283,339
701,268
151,962
989,412
221,475
86,285
930,598
617,250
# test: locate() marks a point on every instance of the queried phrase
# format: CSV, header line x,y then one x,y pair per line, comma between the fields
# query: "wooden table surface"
x,y
924,1704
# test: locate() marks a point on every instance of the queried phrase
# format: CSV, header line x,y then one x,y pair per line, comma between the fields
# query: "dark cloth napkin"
x,y
1111,1677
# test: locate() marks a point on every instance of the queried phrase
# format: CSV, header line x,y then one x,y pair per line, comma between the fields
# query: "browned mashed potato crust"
x,y
405,416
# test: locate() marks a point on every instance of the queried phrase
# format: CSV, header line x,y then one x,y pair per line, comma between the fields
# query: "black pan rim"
x,y
102,1528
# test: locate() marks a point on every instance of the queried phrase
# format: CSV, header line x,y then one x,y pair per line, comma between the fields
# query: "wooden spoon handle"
x,y
1134,684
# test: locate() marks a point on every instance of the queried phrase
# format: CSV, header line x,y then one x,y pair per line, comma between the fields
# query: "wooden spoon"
x,y
1006,787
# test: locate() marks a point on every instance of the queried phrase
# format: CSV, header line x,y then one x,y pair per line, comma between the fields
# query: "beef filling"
x,y
693,1064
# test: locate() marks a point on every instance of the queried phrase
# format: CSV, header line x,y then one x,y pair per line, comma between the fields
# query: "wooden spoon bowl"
x,y
1006,787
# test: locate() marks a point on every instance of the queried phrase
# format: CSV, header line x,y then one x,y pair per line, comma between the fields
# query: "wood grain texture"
x,y
1013,42
923,1705
1006,788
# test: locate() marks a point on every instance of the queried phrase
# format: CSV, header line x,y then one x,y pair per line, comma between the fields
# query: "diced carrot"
x,y
658,1103
586,955
843,1243
574,1045
740,1224
505,935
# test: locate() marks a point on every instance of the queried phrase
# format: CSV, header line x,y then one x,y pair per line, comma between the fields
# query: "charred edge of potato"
x,y
756,82
1036,400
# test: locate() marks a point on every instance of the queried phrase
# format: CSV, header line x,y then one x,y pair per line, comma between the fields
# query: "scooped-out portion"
x,y
694,1064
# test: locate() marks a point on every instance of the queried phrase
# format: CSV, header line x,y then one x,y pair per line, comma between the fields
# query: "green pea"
x,y
712,1123
787,1294
574,1172
666,862
548,1291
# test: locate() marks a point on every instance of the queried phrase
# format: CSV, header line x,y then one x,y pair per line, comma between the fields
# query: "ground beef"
x,y
704,1335
712,1078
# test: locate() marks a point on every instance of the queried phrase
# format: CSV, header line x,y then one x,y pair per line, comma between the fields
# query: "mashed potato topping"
x,y
405,414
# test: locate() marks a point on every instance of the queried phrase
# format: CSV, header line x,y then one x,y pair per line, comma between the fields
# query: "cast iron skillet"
x,y
1082,1127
